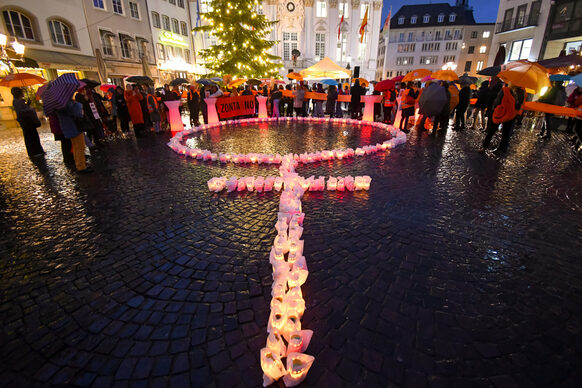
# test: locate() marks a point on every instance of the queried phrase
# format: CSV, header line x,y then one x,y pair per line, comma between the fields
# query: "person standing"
x,y
331,102
408,103
194,105
318,104
464,99
389,101
133,99
66,145
119,109
356,100
555,96
481,105
442,119
68,117
29,122
299,96
505,108
275,99
154,110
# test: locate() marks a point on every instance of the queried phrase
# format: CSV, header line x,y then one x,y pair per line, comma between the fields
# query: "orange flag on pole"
x,y
339,29
363,26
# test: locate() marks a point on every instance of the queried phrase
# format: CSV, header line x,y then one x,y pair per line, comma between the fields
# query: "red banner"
x,y
228,107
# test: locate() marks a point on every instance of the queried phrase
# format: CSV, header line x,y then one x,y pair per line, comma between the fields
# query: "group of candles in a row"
x,y
286,339
260,184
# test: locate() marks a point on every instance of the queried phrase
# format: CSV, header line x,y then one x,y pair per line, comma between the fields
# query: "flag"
x,y
387,21
363,26
339,29
197,17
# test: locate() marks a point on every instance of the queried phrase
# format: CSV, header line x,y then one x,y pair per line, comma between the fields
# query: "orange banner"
x,y
549,108
235,106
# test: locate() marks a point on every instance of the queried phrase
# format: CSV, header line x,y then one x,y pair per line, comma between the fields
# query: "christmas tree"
x,y
241,48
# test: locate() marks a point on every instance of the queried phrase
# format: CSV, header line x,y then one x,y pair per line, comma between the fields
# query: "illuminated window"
x,y
321,9
319,46
479,65
486,34
520,49
482,49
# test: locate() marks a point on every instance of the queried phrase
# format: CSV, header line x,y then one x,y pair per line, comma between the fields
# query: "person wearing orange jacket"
x,y
408,103
154,110
133,99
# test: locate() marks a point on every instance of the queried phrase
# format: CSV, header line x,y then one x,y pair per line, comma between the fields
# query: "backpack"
x,y
505,111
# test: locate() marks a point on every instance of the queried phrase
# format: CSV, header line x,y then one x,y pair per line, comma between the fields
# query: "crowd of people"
x,y
90,117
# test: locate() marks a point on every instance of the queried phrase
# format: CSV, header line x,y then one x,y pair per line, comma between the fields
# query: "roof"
x,y
464,15
326,68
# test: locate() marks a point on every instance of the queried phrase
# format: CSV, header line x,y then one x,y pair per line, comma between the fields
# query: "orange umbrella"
x,y
295,76
236,82
363,82
531,76
21,80
445,75
416,75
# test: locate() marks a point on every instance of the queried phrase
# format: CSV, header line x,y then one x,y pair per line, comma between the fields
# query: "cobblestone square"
x,y
455,269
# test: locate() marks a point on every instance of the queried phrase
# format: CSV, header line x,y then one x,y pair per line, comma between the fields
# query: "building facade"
x,y
520,28
120,31
564,29
171,30
433,37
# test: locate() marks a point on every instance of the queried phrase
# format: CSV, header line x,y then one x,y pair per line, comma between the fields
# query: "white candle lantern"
x,y
276,345
231,184
340,184
278,183
332,183
250,181
349,183
366,182
269,183
278,320
272,367
299,341
298,364
259,182
241,184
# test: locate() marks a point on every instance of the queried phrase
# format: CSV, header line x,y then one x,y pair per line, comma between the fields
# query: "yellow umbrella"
x,y
21,80
236,82
346,84
363,82
415,75
295,76
529,76
445,75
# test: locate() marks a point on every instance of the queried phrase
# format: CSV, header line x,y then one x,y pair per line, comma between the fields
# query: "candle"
x,y
298,364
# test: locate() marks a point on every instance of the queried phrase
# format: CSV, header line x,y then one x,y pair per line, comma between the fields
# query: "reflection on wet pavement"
x,y
455,268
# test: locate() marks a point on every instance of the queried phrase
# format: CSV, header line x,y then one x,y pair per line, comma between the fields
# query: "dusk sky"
x,y
484,11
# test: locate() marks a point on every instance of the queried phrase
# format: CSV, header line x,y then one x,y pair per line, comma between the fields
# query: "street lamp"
x,y
18,48
3,40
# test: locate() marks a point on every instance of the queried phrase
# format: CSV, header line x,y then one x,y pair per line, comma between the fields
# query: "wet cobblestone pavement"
x,y
455,269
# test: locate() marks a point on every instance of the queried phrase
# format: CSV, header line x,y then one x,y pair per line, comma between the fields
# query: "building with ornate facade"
x,y
311,27
434,36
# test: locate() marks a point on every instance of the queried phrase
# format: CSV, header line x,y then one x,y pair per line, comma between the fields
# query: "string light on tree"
x,y
242,47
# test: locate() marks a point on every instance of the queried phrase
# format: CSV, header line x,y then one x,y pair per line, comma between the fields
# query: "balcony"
x,y
516,23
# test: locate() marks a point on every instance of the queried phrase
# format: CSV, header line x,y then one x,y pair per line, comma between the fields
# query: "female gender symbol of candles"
x,y
283,355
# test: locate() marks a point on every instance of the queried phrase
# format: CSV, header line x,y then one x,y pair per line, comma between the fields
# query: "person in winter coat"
x,y
507,126
194,105
68,120
555,96
442,119
119,109
464,98
299,97
29,122
574,101
408,102
318,104
66,145
133,99
481,104
389,102
275,97
356,104
331,101
153,110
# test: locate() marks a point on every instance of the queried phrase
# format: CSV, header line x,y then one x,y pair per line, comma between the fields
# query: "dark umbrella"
x,y
59,92
204,81
385,85
467,79
433,100
139,79
91,83
179,81
560,77
253,81
490,71
500,57
568,60
216,79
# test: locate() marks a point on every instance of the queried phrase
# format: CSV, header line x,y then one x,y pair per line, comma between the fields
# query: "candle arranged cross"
x,y
284,353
